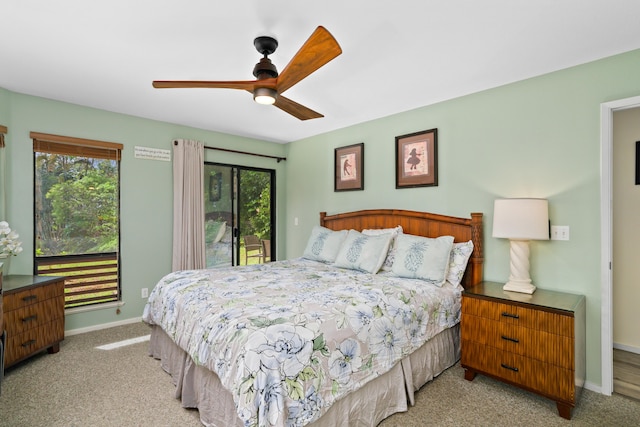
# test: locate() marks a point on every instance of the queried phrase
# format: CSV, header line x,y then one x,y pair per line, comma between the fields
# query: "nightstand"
x,y
33,315
535,342
2,336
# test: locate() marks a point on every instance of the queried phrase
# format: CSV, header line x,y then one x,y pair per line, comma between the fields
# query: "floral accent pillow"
x,y
423,258
460,254
362,252
323,244
391,255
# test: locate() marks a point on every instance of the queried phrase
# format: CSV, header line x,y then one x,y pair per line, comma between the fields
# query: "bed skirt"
x,y
392,392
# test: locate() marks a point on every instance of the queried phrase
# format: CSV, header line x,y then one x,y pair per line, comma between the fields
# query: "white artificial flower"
x,y
9,243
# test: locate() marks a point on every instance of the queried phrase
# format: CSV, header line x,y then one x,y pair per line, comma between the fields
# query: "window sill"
x,y
94,307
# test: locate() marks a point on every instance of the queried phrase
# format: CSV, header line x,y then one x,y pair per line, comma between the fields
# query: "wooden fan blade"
x,y
249,85
319,49
299,111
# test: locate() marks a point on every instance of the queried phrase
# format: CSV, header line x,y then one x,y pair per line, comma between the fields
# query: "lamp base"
x,y
514,286
519,279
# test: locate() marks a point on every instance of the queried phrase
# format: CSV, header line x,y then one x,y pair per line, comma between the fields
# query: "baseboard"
x,y
597,387
629,348
593,387
102,326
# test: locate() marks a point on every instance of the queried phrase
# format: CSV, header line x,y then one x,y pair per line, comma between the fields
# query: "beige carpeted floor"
x,y
84,386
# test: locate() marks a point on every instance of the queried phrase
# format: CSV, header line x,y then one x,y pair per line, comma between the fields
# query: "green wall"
x,y
146,186
535,138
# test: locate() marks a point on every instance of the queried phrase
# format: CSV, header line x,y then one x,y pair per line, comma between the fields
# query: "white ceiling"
x,y
396,56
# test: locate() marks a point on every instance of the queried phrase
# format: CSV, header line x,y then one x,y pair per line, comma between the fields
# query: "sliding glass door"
x,y
239,219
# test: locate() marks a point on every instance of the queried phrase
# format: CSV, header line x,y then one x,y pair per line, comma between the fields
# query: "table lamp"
x,y
520,220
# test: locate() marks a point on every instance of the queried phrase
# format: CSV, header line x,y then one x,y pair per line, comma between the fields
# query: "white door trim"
x,y
606,232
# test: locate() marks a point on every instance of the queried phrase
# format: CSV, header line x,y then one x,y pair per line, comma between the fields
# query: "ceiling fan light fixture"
x,y
265,95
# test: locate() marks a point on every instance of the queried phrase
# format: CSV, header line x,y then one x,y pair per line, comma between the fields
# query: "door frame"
x,y
272,183
235,194
606,235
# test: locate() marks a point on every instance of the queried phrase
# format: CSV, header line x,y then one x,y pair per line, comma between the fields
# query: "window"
x,y
77,216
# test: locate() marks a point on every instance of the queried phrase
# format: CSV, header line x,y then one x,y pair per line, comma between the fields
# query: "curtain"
x,y
188,205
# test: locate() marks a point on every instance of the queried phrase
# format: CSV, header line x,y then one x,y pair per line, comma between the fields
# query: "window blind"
x,y
66,145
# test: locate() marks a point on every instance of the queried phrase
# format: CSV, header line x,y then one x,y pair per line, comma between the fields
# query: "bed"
x,y
315,342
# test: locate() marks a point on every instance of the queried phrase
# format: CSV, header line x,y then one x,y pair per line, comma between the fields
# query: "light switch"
x,y
559,232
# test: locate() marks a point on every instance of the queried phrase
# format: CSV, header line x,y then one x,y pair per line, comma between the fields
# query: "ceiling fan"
x,y
319,49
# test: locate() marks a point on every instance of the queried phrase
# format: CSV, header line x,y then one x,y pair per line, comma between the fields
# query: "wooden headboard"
x,y
420,224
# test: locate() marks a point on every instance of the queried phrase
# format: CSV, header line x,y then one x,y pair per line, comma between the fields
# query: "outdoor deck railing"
x,y
90,279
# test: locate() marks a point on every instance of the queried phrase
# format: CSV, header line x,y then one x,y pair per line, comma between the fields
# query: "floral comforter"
x,y
289,338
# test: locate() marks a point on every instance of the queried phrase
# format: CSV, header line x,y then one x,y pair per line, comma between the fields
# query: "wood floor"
x,y
626,373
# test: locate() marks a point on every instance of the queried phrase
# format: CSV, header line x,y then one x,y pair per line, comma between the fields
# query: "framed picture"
x,y
417,159
215,187
637,162
349,168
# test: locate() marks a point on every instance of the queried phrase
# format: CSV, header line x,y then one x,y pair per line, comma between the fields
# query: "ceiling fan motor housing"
x,y
265,69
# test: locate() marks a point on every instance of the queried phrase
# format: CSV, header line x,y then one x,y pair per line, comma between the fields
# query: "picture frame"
x,y
417,159
637,162
215,187
349,168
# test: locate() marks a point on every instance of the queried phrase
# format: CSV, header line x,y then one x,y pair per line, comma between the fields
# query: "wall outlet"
x,y
559,232
144,292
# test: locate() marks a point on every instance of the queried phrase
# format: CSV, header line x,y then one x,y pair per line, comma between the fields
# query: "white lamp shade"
x,y
521,219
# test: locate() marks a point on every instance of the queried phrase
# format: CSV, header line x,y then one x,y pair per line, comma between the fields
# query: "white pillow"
x,y
423,258
378,231
460,254
221,231
324,244
362,252
391,255
215,230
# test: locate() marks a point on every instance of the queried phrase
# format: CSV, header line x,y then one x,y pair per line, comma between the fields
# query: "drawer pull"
x,y
30,318
513,316
29,298
511,339
511,368
28,343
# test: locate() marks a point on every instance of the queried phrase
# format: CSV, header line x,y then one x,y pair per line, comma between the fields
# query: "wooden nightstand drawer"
x,y
521,316
552,381
23,299
549,348
21,345
34,315
31,296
